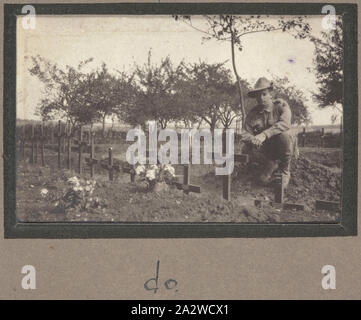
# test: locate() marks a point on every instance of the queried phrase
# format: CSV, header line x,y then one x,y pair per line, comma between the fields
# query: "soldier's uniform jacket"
x,y
271,121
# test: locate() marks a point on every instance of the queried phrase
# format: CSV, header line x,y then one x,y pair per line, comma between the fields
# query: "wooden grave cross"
x,y
186,186
91,161
59,135
110,166
279,197
227,179
81,144
131,171
278,189
327,205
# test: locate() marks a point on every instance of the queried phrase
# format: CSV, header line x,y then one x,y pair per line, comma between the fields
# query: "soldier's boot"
x,y
285,146
269,167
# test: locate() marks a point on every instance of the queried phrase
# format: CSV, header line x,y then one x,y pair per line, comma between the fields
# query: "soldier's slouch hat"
x,y
261,84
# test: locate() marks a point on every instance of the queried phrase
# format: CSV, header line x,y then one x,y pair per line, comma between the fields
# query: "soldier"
x,y
267,128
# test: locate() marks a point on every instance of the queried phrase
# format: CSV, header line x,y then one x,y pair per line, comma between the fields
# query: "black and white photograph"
x,y
132,118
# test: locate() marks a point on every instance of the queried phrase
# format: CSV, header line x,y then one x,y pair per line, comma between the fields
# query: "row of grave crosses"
x,y
81,145
88,147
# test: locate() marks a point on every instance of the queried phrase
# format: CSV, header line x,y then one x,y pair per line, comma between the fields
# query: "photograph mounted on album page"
x,y
180,123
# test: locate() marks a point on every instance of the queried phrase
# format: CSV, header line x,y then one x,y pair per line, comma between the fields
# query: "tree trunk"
x,y
241,100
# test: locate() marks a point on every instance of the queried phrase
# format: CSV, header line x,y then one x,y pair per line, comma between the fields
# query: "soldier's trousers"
x,y
277,148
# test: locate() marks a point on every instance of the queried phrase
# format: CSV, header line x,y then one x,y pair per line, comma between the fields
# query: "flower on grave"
x,y
78,193
154,167
140,169
73,181
77,188
169,169
150,174
154,173
44,192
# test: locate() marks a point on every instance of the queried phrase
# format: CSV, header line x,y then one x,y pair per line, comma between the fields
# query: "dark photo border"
x,y
348,223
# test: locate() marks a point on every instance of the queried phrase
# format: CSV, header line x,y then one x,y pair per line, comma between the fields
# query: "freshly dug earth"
x,y
327,156
130,202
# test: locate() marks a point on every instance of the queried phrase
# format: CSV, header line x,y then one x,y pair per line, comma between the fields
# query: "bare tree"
x,y
232,29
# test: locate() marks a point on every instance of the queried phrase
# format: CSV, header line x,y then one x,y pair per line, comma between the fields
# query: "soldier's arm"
x,y
284,122
247,132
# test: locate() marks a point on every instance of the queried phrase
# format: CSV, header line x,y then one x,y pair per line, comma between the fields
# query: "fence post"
x,y
91,154
226,178
32,158
23,143
303,137
238,126
110,164
90,136
80,162
59,144
36,144
63,139
52,134
21,137
322,137
341,126
42,145
68,135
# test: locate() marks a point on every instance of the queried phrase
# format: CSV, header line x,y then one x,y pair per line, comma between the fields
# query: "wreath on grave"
x,y
78,195
156,176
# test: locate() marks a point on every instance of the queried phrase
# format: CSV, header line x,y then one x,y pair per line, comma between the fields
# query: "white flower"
x,y
44,192
170,169
154,167
140,169
78,188
73,181
150,174
88,188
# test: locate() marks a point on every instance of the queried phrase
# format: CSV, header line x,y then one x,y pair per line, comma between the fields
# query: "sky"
x,y
121,41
